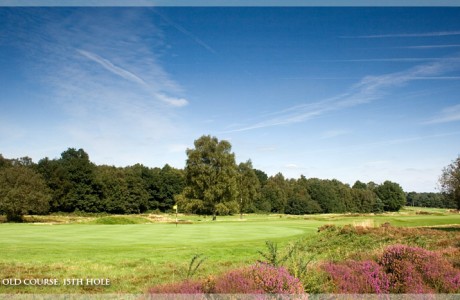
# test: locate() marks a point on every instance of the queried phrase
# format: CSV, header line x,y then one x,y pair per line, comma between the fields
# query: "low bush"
x,y
399,269
238,281
358,277
275,280
257,279
416,270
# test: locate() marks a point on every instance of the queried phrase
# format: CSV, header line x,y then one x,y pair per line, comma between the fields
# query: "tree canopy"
x,y
211,183
210,176
248,186
392,195
450,181
22,191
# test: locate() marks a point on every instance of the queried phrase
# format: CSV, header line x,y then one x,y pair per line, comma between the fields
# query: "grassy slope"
x,y
137,256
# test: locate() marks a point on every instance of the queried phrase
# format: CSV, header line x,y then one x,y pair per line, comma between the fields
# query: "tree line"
x,y
429,200
211,183
73,183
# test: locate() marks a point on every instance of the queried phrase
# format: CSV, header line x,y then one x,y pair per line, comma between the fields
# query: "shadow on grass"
x,y
448,229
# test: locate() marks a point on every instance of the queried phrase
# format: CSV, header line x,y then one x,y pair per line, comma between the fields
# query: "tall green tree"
x,y
122,190
428,200
53,173
327,194
343,197
81,172
275,193
137,198
299,201
210,175
392,195
248,186
364,199
359,185
450,182
150,182
79,189
22,191
163,184
262,176
114,189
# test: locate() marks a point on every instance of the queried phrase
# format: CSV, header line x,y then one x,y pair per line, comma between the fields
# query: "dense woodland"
x,y
72,183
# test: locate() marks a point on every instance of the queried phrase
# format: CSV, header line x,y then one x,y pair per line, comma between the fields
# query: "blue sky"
x,y
347,93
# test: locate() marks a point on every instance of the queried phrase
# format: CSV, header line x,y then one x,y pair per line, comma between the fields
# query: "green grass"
x,y
136,254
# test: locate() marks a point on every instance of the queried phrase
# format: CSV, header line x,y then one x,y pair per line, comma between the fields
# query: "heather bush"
x,y
273,280
400,269
257,279
358,277
238,281
416,270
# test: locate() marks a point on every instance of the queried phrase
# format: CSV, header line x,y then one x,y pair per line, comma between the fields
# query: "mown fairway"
x,y
137,256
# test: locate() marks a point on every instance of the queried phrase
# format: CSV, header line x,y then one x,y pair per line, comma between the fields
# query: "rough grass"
x,y
138,252
360,243
336,244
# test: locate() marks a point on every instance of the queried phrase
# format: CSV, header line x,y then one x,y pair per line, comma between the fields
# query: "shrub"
x,y
238,281
22,191
257,279
400,269
317,281
416,270
272,256
358,277
274,280
328,228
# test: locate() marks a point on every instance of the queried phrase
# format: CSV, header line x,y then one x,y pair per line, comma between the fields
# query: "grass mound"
x,y
120,220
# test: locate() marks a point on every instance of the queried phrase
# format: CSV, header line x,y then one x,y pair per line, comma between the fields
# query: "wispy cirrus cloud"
x,y
185,32
395,59
123,73
111,67
101,72
404,35
366,90
448,114
428,46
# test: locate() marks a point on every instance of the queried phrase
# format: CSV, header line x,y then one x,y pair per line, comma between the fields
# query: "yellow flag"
x,y
175,207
